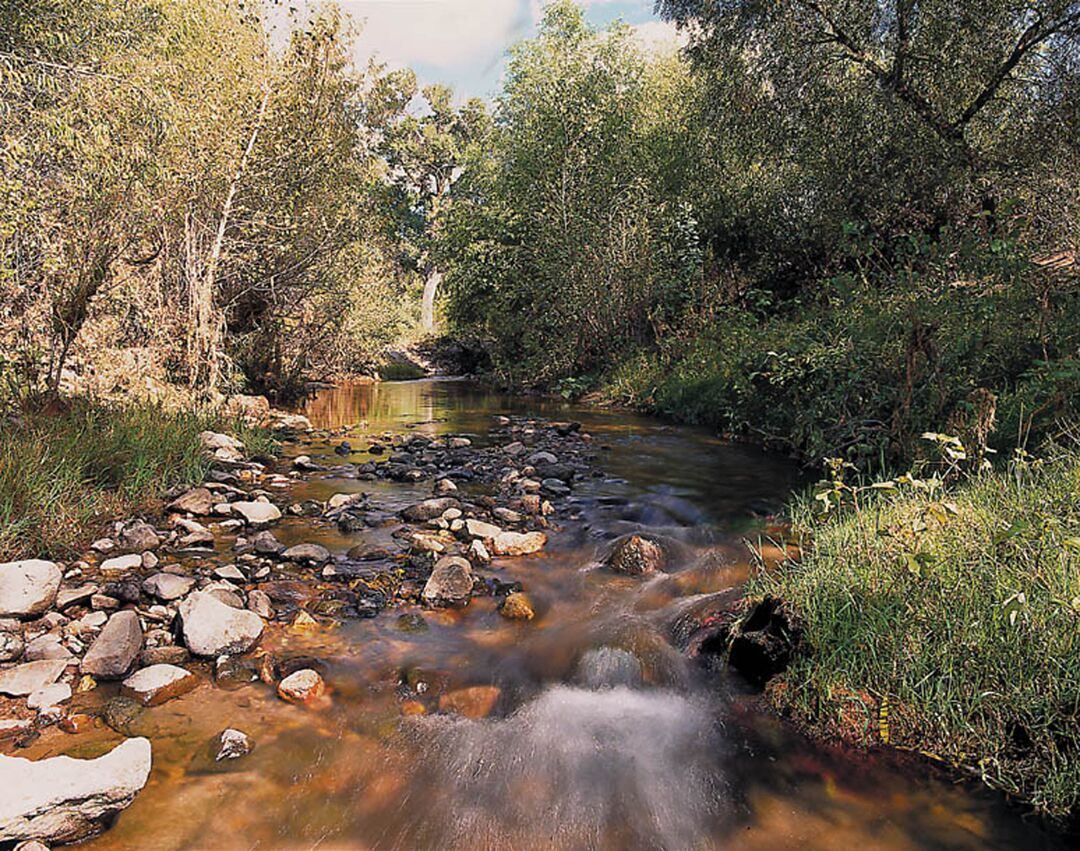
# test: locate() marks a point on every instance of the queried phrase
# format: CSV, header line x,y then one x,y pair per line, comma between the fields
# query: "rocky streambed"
x,y
439,619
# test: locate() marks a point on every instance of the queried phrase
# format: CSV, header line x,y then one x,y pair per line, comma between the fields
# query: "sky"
x,y
463,43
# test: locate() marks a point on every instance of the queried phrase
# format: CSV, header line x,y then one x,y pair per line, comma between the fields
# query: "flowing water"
x,y
603,736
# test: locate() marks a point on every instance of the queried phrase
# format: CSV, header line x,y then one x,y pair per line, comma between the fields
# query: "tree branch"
x,y
1032,37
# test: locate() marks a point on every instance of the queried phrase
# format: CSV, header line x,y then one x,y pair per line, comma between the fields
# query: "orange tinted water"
x,y
602,736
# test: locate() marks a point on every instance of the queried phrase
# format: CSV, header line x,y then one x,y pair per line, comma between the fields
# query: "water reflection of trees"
x,y
379,404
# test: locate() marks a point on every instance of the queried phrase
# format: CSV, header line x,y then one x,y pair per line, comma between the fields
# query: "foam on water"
x,y
575,768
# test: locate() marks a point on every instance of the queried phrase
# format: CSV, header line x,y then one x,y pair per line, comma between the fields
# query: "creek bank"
x,y
164,605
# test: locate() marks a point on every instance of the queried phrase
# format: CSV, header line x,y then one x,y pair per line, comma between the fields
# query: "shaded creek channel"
x,y
603,735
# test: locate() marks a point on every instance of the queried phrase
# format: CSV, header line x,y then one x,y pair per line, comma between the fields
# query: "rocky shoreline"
x,y
162,604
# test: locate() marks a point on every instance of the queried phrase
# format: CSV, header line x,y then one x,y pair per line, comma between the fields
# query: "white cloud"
x,y
449,34
658,36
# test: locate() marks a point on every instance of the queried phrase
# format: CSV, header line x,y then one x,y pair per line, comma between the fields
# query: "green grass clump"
x,y
63,475
948,622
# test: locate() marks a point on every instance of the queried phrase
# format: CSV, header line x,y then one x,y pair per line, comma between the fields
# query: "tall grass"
x,y
63,475
949,623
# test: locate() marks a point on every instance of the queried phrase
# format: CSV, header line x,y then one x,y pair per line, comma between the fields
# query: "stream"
x,y
603,735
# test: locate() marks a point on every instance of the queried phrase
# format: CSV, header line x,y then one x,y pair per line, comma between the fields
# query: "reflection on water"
x,y
603,736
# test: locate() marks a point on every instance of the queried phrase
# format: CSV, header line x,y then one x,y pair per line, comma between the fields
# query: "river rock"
x,y
222,446
49,696
302,686
635,555
75,596
429,509
307,553
30,677
478,553
138,536
197,501
444,487
517,607
115,650
63,799
233,744
157,684
450,582
212,628
28,588
11,646
256,513
168,586
49,647
475,702
259,602
230,573
168,654
122,564
265,544
518,543
478,529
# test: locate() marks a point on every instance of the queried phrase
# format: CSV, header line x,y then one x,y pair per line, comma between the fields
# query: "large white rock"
x,y
121,564
480,530
256,513
30,676
63,799
168,586
154,685
518,543
213,629
27,588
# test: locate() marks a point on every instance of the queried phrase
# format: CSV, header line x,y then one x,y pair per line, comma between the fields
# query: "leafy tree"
x,y
424,153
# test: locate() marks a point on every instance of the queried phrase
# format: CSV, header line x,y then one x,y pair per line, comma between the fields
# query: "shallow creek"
x,y
603,736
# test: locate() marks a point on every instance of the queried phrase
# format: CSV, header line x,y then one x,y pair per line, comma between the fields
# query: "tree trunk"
x,y
432,279
206,325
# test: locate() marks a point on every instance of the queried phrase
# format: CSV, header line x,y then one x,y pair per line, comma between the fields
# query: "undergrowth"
x,y
62,475
945,619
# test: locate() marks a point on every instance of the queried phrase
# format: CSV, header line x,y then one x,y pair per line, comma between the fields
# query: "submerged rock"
x,y
63,799
636,555
475,702
212,628
232,744
28,588
517,607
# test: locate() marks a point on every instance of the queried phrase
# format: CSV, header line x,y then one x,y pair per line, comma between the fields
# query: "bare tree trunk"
x,y
432,279
206,326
